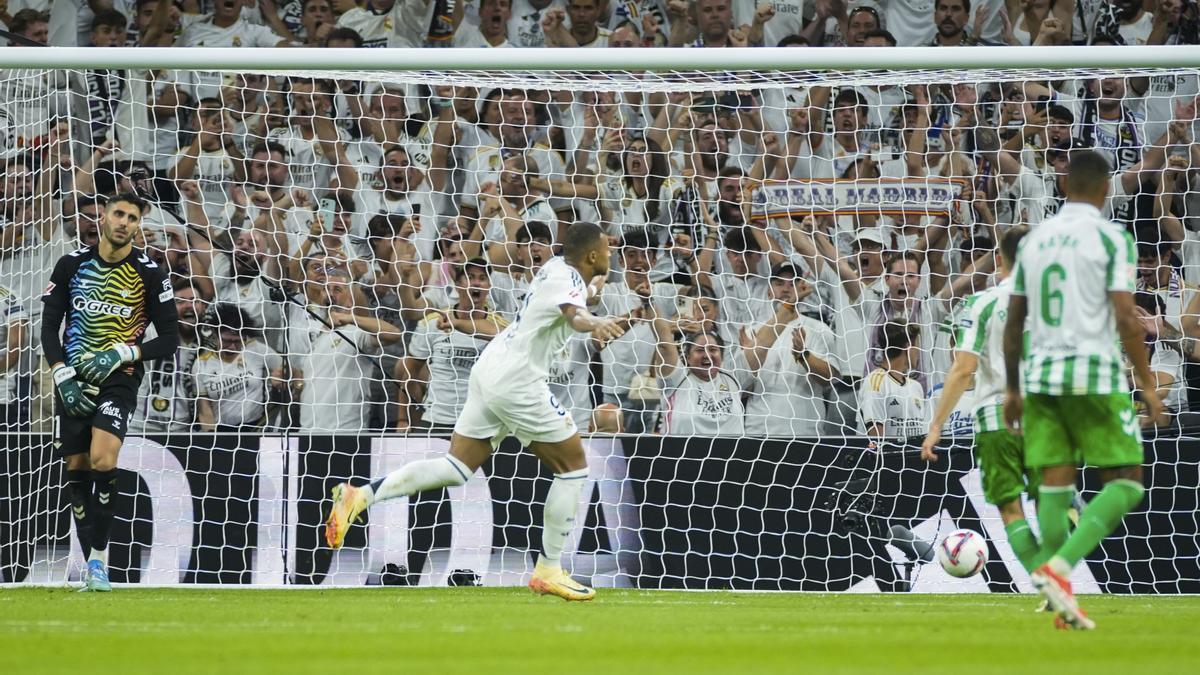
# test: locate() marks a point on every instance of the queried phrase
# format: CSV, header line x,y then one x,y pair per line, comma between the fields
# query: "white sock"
x,y
558,518
417,477
101,555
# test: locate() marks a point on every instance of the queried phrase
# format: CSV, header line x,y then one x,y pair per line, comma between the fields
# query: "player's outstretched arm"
x,y
957,381
583,321
1014,340
1133,338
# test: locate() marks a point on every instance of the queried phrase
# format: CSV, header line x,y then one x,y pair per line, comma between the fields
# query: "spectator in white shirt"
x,y
316,22
525,26
713,21
794,360
225,27
892,404
235,375
444,348
585,29
309,104
247,277
510,204
627,362
702,399
770,20
1135,24
532,248
214,161
492,31
333,356
909,21
372,21
743,289
1165,344
861,22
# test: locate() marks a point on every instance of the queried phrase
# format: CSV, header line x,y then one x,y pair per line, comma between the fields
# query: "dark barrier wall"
x,y
714,513
746,514
220,472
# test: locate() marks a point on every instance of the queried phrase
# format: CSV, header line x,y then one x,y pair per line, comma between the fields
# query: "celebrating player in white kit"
x,y
509,394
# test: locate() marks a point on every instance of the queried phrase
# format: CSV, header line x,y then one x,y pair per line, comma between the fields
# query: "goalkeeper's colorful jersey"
x,y
981,332
107,303
1065,268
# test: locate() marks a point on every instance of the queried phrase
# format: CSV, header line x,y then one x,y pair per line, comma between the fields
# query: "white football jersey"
x,y
694,407
899,406
523,352
910,21
309,166
1065,268
337,374
788,19
236,389
200,31
374,27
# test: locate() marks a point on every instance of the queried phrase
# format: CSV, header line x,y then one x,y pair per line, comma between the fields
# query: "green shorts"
x,y
1002,465
1098,430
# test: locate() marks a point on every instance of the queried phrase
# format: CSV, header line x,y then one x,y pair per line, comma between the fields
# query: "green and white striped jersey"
x,y
981,332
1065,268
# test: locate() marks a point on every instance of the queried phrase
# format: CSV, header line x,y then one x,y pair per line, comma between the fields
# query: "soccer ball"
x,y
963,553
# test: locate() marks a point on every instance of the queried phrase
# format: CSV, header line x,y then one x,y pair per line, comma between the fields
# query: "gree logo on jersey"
x,y
101,307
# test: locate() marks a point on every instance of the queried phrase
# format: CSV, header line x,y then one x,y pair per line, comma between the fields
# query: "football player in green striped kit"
x,y
979,352
1074,282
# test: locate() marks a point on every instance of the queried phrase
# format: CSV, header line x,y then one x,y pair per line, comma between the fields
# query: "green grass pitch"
x,y
624,632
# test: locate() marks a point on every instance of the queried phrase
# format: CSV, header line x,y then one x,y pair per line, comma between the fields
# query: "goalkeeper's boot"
x,y
97,577
551,580
348,504
1056,589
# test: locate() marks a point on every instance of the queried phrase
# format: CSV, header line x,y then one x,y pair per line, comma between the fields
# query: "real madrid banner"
x,y
933,196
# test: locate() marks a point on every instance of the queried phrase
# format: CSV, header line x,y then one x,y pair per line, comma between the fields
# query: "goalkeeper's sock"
x,y
79,492
1023,543
1053,503
417,477
1099,519
102,512
558,518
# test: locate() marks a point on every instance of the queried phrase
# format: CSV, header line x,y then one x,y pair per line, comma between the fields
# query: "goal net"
x,y
792,252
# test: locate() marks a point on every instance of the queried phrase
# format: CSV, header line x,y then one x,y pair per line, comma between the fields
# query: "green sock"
x,y
1023,543
1053,502
1100,518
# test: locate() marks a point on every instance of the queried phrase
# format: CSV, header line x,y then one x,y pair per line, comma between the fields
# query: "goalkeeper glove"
x,y
95,367
77,398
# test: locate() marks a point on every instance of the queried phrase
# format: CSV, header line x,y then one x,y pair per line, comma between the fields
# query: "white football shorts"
x,y
497,409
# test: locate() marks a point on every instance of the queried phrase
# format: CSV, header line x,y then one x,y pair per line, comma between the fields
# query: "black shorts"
x,y
114,411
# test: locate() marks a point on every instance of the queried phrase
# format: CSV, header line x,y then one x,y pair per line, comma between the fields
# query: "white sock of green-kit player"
x,y
415,477
558,518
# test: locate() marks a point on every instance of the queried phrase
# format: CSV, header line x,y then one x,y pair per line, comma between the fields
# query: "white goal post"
x,y
346,229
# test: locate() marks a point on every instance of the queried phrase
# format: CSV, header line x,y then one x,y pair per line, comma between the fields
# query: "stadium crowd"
x,y
342,250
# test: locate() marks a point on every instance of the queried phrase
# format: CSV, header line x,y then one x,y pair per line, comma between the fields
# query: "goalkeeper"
x,y
107,296
980,352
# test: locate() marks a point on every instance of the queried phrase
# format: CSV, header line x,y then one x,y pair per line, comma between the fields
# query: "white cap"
x,y
870,234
